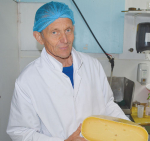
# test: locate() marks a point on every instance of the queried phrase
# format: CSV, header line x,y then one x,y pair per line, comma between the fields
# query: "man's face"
x,y
58,38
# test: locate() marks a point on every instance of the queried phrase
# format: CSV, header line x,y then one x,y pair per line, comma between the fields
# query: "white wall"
x,y
9,67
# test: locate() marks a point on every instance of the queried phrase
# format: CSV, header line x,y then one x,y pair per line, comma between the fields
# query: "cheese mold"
x,y
105,128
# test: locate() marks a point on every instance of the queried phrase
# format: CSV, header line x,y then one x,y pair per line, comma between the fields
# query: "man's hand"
x,y
76,136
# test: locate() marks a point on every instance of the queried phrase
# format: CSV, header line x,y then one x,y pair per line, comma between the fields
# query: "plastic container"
x,y
140,111
147,111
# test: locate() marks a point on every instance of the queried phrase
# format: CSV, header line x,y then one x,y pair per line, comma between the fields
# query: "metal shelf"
x,y
138,13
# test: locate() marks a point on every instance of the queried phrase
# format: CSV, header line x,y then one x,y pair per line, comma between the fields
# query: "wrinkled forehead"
x,y
49,13
60,24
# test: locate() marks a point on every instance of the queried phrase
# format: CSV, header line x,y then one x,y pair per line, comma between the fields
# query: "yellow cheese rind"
x,y
105,128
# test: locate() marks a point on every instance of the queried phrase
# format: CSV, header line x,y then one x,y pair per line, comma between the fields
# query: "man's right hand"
x,y
76,136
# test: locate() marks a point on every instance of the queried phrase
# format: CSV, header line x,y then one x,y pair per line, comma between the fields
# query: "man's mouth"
x,y
64,47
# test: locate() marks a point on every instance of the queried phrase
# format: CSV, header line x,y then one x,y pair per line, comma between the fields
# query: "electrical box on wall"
x,y
143,73
143,37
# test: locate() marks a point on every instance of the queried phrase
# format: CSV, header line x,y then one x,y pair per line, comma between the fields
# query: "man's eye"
x,y
54,32
68,30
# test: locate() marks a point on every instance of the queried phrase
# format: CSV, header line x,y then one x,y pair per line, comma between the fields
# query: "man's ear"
x,y
38,37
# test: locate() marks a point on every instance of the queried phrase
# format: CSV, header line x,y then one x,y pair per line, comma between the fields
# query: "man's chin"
x,y
65,56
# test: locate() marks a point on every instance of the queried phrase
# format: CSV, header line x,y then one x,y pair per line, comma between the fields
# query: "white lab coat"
x,y
45,107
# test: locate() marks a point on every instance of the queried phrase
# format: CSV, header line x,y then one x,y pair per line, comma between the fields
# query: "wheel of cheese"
x,y
105,128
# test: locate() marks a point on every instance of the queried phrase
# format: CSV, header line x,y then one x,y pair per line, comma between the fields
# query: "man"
x,y
56,92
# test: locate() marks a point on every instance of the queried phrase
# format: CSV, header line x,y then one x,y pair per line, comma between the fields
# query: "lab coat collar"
x,y
77,61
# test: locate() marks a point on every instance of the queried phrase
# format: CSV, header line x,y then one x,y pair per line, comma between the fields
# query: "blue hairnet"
x,y
49,12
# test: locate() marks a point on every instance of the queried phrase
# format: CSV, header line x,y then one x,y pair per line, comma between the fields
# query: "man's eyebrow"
x,y
69,27
54,29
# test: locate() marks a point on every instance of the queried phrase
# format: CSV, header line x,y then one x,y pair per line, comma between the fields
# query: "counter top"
x,y
145,121
142,121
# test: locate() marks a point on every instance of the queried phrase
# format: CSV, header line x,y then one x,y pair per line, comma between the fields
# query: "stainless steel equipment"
x,y
123,89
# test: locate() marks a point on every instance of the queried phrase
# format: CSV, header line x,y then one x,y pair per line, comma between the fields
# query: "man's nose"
x,y
63,38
